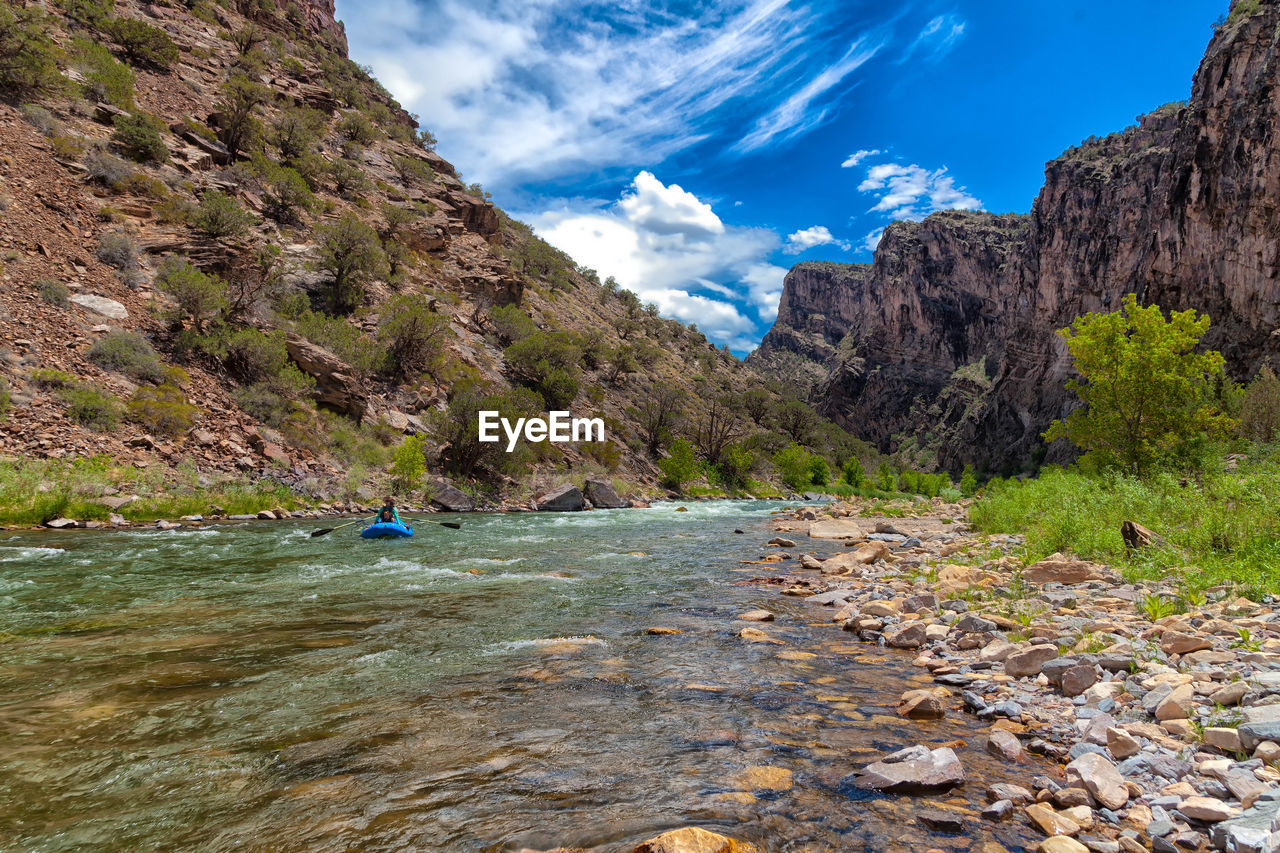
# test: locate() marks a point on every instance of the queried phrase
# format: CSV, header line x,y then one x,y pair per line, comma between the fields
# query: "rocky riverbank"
x,y
1164,725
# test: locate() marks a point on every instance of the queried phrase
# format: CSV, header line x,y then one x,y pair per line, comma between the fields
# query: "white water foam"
x,y
17,553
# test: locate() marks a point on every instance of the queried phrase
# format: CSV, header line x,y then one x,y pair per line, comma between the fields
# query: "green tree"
x,y
220,215
238,125
1260,413
351,254
547,363
819,470
735,466
1147,392
138,136
886,481
794,465
854,474
797,420
27,54
409,465
286,193
413,336
680,465
968,482
142,43
656,414
200,298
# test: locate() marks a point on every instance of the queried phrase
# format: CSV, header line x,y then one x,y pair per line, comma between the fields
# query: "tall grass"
x,y
33,491
1220,526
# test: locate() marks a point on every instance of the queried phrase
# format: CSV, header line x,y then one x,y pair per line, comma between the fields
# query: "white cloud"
x,y
544,88
935,39
913,192
858,156
872,240
671,248
807,238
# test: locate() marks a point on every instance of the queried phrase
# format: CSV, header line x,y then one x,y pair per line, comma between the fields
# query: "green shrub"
x,y
413,336
163,410
968,482
142,43
413,172
355,127
54,292
105,77
41,119
351,255
28,67
91,408
794,465
128,353
265,405
680,466
511,323
735,467
408,466
220,215
348,178
286,194
362,354
119,250
262,358
237,106
819,471
200,298
854,474
296,132
138,136
1260,410
91,14
458,428
546,362
52,379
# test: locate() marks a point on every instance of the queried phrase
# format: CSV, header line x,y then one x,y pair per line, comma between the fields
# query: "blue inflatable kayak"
x,y
386,530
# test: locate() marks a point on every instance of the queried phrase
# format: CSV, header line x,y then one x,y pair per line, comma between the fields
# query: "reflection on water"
x,y
486,689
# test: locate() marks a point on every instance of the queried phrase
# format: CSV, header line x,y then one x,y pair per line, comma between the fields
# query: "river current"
x,y
249,687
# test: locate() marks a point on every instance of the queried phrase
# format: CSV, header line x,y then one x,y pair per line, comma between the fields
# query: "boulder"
x,y
836,528
692,839
1028,661
566,498
757,616
914,769
446,497
1050,822
1005,744
1077,679
603,496
1099,777
1207,809
336,385
908,635
922,705
101,305
60,523
1178,643
1121,744
403,422
1058,569
1177,705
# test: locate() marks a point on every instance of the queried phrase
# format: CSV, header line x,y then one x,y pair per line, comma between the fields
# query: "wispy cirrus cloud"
x,y
858,156
935,39
672,249
536,89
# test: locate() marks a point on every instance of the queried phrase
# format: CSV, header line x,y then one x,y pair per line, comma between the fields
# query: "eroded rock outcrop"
x,y
950,330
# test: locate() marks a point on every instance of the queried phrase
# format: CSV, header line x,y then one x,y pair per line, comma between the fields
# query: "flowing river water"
x,y
487,689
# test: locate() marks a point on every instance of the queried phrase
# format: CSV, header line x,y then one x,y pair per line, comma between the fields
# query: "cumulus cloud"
x,y
672,249
858,156
543,88
913,192
807,238
935,39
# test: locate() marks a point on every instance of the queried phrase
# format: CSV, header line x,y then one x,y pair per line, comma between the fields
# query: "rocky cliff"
x,y
946,340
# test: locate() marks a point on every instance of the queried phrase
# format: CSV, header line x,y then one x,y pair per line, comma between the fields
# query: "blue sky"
x,y
696,151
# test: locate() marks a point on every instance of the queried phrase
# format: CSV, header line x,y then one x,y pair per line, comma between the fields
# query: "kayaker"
x,y
388,514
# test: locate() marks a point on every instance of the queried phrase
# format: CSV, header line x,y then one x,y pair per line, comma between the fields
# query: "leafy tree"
x,y
680,465
1260,412
458,427
138,136
351,254
657,414
794,465
511,323
286,193
348,178
547,363
239,127
89,14
854,474
409,465
715,427
261,358
413,336
1147,393
28,67
735,466
142,43
618,361
797,420
296,131
756,403
819,470
200,298
105,77
220,215
255,277
355,127
885,479
968,482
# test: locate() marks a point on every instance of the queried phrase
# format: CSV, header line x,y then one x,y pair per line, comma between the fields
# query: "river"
x,y
249,687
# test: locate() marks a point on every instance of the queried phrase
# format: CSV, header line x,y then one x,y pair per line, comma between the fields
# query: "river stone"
x,y
1049,821
940,821
1015,794
1061,844
1178,643
1225,739
808,561
1207,809
916,768
922,705
974,624
566,498
763,778
101,305
1121,744
1005,744
603,496
757,616
1262,722
60,523
1229,694
1029,661
446,497
836,528
1077,679
692,839
916,603
1100,778
1058,569
1177,705
909,635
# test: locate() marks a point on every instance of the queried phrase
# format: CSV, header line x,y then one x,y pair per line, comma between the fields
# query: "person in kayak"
x,y
388,514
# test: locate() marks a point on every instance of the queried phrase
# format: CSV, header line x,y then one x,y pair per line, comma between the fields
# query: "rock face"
x,y
448,498
336,386
319,16
950,329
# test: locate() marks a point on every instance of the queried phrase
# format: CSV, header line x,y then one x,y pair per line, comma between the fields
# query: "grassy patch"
x,y
1219,528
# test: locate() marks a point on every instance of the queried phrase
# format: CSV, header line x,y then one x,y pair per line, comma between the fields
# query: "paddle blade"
x,y
450,524
322,531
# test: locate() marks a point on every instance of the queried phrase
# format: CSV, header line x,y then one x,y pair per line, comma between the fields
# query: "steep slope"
x,y
1180,209
256,140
